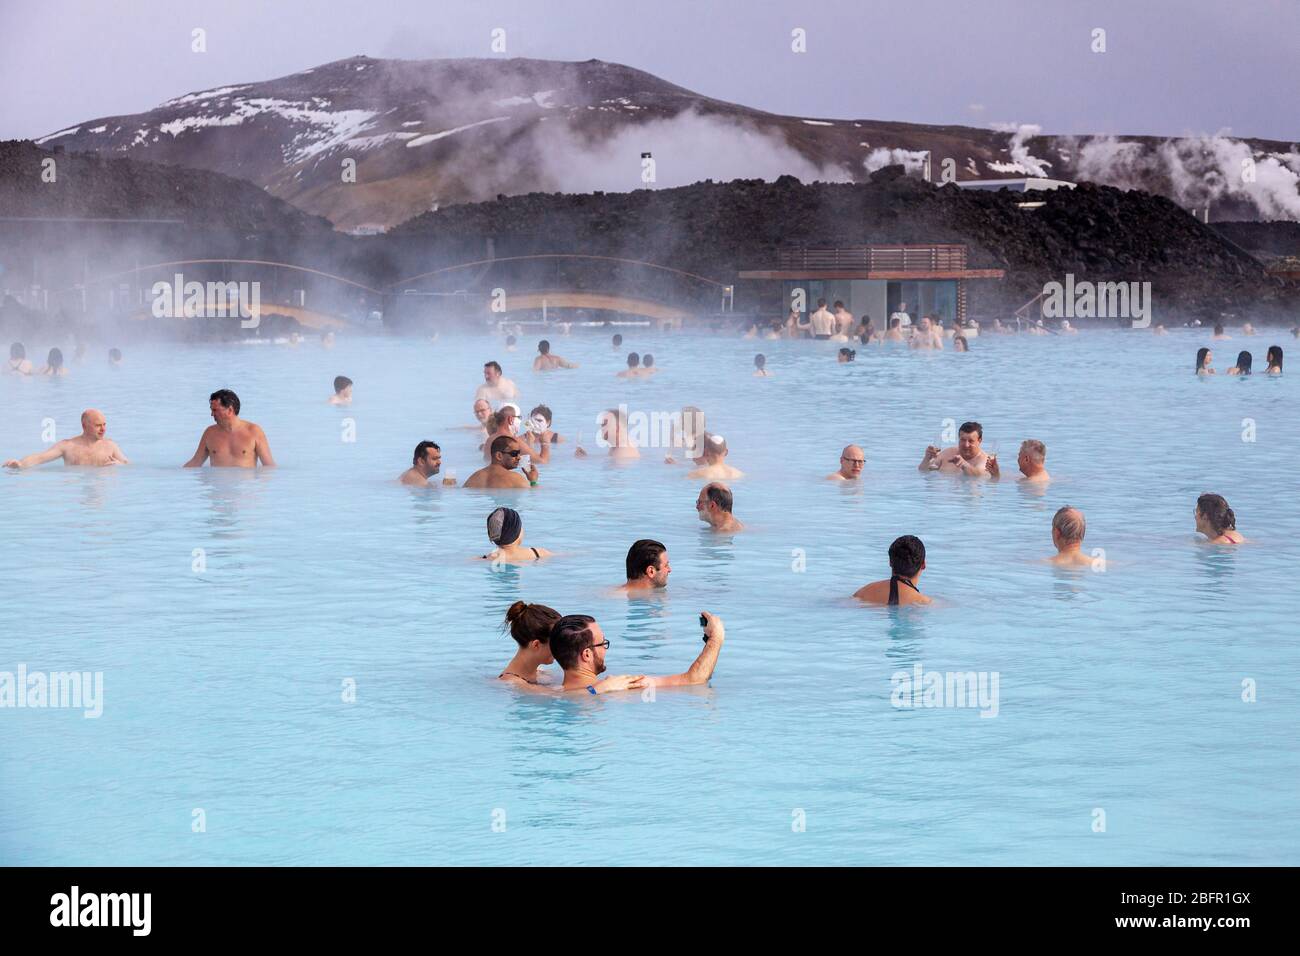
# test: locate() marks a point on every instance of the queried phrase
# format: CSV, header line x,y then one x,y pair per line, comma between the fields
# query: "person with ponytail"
x,y
530,625
505,529
1216,521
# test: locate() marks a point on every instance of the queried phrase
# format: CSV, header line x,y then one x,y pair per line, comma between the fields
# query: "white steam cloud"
x,y
1201,170
1022,161
912,160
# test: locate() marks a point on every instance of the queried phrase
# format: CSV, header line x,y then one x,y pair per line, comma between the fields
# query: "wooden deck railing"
x,y
893,258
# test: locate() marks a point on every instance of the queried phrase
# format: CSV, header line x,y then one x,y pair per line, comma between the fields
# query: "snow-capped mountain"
x,y
369,143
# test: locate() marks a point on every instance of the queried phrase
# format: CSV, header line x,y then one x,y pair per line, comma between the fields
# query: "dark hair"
x,y
510,340
760,360
1218,328
115,353
500,444
643,554
895,323
618,339
1217,513
55,358
530,622
821,303
570,636
544,346
1274,357
975,427
341,382
1200,357
849,354
495,365
962,339
647,360
1244,362
16,351
838,304
421,450
543,411
720,496
906,555
226,399
633,360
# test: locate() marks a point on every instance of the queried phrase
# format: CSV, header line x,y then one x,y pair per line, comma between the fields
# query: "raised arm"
x,y
40,458
927,463
201,454
263,449
702,669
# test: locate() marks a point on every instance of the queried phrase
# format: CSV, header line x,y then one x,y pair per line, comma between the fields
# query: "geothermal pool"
x,y
1120,693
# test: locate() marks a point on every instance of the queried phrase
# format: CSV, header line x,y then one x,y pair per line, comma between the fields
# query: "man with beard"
x,y
579,645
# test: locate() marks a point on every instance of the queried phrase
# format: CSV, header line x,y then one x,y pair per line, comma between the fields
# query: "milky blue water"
x,y
1120,691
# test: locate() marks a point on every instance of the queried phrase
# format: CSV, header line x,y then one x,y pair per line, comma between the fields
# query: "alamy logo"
x,y
921,688
1098,300
102,909
208,300
77,690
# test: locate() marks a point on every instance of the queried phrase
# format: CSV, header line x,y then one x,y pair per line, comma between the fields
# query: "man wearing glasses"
x,y
851,461
579,645
501,473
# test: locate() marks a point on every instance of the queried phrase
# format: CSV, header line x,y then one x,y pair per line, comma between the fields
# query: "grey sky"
x,y
1171,67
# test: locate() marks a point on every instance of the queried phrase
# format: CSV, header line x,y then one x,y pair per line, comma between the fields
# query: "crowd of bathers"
x,y
513,448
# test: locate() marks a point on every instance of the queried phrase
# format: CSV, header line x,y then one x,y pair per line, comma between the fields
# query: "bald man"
x,y
852,459
1068,529
89,449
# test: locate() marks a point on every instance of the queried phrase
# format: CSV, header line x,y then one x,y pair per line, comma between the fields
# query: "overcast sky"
x,y
1171,66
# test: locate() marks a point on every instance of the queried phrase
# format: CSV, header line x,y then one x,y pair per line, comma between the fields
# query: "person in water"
x,y
760,366
852,461
688,434
846,355
342,391
115,358
495,386
506,454
959,343
579,646
54,364
19,364
1203,359
546,362
504,422
505,529
617,342
1219,334
1273,360
906,562
1242,367
647,566
715,466
648,365
1216,520
633,369
425,463
1032,462
538,435
90,448
713,505
231,442
613,434
530,625
1068,529
483,419
822,321
965,458
895,333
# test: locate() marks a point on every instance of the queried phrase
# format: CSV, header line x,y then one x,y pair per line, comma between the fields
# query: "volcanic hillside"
x,y
429,133
1097,233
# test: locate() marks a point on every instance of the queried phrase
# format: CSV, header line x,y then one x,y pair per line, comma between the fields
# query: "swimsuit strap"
x,y
893,587
536,555
520,676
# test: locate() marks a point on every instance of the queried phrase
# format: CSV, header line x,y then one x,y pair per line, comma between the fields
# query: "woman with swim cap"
x,y
1216,520
505,529
530,626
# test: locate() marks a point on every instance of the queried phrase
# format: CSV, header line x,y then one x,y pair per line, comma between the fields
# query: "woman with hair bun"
x,y
530,626
1216,521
